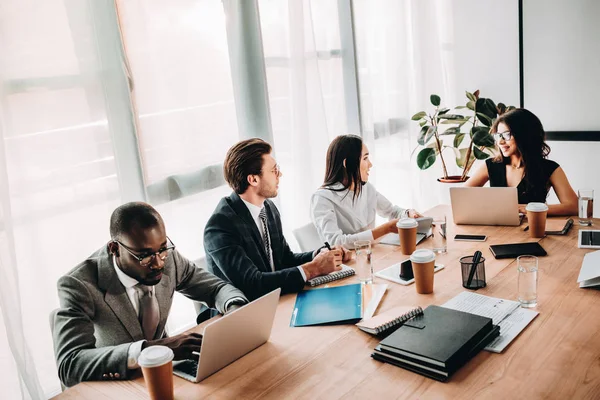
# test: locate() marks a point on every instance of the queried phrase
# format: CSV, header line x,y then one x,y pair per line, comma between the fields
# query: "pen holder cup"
x,y
478,280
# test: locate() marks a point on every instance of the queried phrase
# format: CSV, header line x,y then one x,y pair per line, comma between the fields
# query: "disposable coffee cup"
x,y
536,216
157,367
407,230
423,264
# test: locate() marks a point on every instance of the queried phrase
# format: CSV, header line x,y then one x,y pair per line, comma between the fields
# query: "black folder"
x,y
429,370
517,249
440,339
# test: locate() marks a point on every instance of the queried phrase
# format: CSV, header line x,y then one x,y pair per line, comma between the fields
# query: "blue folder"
x,y
333,305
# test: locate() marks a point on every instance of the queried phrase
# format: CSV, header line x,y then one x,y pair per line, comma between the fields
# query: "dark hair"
x,y
349,148
243,159
529,136
130,215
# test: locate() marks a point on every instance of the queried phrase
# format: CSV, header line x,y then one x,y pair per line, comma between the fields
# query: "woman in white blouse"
x,y
344,209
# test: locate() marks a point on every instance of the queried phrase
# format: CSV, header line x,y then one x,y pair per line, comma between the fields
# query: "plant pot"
x,y
444,186
453,179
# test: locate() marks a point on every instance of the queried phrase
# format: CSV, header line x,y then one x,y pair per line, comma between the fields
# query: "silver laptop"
x,y
230,337
485,206
423,231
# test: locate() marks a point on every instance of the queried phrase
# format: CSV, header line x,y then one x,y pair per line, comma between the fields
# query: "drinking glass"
x,y
586,206
364,267
527,267
439,234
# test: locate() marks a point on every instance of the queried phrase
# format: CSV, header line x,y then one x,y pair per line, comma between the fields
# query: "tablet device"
x,y
588,239
517,249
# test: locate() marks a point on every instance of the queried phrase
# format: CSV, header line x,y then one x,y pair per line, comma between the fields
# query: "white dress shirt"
x,y
255,212
342,220
129,283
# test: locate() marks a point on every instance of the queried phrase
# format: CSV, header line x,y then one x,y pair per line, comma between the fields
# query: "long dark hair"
x,y
529,135
349,148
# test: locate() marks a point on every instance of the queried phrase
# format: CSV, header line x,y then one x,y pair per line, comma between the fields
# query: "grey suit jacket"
x,y
96,322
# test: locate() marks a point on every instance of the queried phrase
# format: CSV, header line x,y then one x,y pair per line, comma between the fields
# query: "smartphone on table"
x,y
471,238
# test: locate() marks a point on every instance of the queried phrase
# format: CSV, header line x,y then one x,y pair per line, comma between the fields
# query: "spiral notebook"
x,y
389,320
334,276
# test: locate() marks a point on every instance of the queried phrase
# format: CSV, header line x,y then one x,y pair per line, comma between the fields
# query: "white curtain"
x,y
179,61
301,42
403,52
58,174
409,49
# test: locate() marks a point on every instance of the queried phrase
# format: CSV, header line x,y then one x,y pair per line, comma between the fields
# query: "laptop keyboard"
x,y
189,367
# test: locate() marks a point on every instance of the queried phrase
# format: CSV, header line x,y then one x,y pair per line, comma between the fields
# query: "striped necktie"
x,y
149,313
266,240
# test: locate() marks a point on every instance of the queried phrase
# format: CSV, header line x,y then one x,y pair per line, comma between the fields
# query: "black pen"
x,y
328,246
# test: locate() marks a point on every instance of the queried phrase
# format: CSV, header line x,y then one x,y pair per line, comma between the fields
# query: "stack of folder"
x,y
438,342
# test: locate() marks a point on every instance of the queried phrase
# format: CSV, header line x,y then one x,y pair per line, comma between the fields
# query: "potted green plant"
x,y
468,136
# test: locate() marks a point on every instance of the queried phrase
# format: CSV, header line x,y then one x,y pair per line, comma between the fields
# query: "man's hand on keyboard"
x,y
182,345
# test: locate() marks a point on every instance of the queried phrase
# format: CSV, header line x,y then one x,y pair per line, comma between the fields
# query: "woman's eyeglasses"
x,y
507,136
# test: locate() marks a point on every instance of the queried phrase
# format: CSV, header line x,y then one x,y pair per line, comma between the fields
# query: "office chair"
x,y
203,312
51,320
308,237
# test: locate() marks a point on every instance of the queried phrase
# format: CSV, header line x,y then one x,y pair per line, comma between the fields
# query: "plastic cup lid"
x,y
537,207
422,256
406,223
155,356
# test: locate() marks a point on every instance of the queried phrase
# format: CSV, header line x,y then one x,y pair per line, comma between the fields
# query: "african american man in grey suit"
x,y
116,303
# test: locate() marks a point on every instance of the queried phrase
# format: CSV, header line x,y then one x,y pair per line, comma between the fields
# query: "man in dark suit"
x,y
244,240
116,303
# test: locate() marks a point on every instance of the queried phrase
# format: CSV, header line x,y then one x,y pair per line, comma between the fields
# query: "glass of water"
x,y
438,238
527,267
364,267
586,206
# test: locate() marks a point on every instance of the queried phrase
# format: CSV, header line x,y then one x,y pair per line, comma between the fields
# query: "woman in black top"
x,y
522,163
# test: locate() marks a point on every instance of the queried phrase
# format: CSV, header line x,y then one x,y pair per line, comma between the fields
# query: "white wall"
x,y
579,160
562,80
561,62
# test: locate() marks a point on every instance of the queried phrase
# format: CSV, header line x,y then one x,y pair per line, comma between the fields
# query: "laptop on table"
x,y
223,342
485,206
423,231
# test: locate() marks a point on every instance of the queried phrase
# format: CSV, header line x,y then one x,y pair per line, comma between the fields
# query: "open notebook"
x,y
334,276
389,320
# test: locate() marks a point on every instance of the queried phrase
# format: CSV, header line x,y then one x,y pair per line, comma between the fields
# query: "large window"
x,y
57,169
179,60
302,50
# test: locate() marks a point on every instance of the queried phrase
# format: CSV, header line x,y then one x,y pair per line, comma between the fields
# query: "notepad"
x,y
558,226
382,323
332,305
345,272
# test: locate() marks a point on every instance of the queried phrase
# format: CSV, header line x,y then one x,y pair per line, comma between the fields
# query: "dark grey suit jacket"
x,y
235,250
96,322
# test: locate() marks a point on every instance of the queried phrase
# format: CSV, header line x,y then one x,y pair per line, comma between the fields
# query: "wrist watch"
x,y
405,213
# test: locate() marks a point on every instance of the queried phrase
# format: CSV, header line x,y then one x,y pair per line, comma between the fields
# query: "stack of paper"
x,y
506,313
590,270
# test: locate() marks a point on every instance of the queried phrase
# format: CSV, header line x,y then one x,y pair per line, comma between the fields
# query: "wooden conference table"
x,y
556,356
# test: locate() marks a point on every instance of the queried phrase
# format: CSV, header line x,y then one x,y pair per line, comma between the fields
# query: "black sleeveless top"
x,y
534,190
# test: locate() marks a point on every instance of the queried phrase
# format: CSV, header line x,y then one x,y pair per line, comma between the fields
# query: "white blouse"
x,y
340,220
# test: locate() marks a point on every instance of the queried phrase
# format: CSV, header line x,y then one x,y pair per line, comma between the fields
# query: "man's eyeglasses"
x,y
276,170
147,258
507,136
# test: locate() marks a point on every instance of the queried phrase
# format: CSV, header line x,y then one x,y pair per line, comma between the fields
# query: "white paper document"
x,y
589,275
508,314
